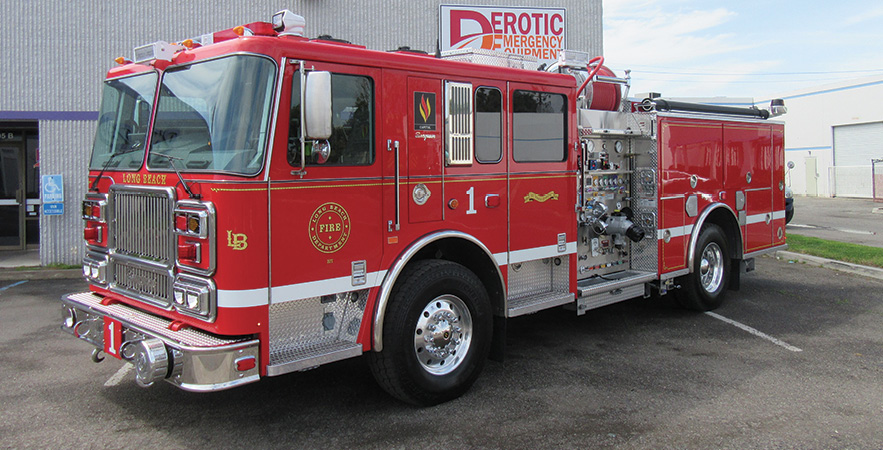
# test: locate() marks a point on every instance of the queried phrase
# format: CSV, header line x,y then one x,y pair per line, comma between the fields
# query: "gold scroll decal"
x,y
540,198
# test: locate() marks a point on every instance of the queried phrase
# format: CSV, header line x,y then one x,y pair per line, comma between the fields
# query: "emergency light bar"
x,y
287,23
157,50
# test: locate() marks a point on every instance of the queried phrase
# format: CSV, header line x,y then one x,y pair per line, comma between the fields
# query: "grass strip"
x,y
838,251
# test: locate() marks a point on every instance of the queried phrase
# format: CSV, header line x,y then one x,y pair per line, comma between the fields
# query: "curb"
x,y
866,271
40,274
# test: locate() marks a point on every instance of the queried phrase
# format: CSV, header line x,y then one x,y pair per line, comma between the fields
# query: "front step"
x,y
312,356
533,303
615,287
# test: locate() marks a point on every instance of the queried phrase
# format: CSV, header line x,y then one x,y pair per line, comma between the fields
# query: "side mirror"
x,y
317,110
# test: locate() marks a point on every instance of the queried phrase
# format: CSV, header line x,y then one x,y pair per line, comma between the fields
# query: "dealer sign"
x,y
537,32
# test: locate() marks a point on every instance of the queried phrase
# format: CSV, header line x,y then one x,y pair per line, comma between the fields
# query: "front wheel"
x,y
437,334
703,290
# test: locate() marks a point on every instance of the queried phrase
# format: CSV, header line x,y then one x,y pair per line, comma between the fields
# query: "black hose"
x,y
668,105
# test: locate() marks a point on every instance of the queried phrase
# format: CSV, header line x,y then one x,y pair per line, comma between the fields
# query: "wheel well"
x,y
475,259
725,219
451,246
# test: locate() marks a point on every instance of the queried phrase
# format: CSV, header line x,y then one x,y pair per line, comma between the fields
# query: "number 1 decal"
x,y
471,193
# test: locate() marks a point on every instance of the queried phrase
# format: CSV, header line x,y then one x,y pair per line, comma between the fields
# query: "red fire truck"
x,y
262,203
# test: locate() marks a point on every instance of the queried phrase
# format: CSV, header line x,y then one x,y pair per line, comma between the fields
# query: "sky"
x,y
744,48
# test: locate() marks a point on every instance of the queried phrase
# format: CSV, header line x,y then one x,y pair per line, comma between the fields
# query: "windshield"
x,y
214,115
123,122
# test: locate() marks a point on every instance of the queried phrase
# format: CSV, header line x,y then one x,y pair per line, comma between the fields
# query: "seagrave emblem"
x,y
329,227
532,196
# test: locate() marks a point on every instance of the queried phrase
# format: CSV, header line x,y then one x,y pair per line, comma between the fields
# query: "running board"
x,y
534,303
612,288
317,356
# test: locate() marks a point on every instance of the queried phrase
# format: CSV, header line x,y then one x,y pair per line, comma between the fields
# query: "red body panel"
x,y
285,235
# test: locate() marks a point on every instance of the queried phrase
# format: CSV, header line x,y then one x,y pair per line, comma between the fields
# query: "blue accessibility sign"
x,y
53,189
53,209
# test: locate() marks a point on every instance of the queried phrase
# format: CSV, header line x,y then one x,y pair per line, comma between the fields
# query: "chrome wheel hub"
x,y
711,267
443,334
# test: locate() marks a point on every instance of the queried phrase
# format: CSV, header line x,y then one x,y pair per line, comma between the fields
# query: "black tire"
x,y
436,335
703,290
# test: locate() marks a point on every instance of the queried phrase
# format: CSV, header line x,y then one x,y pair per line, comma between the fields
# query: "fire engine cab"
x,y
262,203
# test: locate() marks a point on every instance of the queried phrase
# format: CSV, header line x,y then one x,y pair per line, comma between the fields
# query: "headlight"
x,y
195,296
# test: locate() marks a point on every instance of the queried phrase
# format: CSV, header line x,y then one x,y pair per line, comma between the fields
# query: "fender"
x,y
402,261
697,227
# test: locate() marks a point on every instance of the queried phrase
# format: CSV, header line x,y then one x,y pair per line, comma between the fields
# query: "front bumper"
x,y
160,348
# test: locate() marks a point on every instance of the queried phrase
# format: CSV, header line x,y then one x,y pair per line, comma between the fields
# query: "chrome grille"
x,y
142,223
151,284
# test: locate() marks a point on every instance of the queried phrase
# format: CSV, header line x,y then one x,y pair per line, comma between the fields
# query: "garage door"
x,y
854,147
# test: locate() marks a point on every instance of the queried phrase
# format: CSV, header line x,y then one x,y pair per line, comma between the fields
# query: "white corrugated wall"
x,y
55,54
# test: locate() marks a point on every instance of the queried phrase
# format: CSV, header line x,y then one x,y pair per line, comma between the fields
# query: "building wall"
x,y
55,54
809,128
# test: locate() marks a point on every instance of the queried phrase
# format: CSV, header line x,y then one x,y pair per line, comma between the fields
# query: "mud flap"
x,y
744,266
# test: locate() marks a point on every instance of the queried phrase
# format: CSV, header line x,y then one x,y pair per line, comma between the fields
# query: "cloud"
x,y
647,32
865,15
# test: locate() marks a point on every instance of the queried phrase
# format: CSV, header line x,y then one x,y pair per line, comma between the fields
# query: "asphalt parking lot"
x,y
854,220
798,364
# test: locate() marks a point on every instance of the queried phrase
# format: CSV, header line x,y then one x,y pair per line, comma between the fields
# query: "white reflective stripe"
x,y
756,218
501,258
685,230
778,215
282,294
548,251
242,298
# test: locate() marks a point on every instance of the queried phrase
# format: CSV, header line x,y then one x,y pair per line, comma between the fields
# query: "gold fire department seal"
x,y
329,227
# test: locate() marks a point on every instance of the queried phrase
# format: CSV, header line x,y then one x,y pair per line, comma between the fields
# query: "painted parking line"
x,y
13,285
117,377
755,332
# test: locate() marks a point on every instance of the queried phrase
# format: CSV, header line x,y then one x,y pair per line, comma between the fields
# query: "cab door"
x,y
423,194
326,210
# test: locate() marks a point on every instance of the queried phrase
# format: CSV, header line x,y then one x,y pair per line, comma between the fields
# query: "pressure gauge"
x,y
590,146
618,146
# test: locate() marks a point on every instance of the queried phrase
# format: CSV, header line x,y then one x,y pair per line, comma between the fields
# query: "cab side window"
x,y
352,135
539,126
488,125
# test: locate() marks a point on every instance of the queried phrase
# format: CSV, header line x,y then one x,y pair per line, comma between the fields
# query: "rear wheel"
x,y
437,334
703,290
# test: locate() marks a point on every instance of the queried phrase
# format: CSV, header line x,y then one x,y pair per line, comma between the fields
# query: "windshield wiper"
x,y
172,160
94,186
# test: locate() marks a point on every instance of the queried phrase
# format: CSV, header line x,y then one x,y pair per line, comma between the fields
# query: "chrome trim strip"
x,y
399,265
697,226
765,251
674,274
